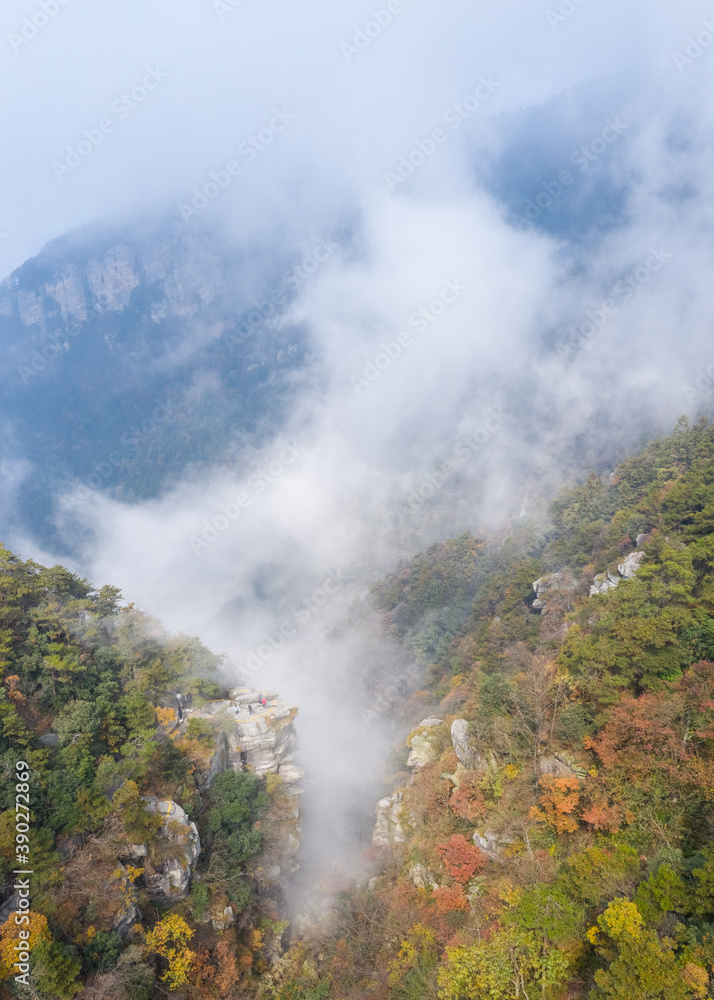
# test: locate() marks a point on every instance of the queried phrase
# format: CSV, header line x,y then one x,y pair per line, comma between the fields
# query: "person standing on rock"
x,y
250,709
263,699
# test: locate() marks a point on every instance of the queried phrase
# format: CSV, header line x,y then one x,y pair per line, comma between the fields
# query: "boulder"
x,y
460,740
388,828
170,866
422,743
421,877
629,567
625,571
556,767
560,582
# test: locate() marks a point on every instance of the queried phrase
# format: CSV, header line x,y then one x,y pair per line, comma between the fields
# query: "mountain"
x,y
128,360
133,821
548,828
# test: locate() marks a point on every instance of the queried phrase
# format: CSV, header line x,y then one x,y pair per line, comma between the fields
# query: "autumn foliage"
x,y
468,801
462,860
10,936
560,798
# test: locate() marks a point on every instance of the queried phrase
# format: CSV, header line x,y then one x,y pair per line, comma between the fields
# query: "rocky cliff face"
x,y
391,818
261,739
181,273
168,872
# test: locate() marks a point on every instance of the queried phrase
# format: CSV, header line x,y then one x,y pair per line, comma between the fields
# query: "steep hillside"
x,y
547,827
551,832
156,832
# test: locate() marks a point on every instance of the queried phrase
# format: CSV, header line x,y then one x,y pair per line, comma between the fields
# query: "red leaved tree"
x,y
462,860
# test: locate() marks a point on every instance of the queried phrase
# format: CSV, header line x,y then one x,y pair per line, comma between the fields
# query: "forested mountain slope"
x,y
547,831
128,357
153,848
551,834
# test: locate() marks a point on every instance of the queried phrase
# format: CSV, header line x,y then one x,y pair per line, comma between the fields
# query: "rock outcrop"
x,y
421,877
182,273
170,865
388,828
625,571
491,842
113,279
128,913
260,738
555,767
460,740
422,743
561,582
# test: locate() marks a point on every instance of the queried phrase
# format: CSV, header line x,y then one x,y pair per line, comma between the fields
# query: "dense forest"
x,y
88,713
567,851
554,834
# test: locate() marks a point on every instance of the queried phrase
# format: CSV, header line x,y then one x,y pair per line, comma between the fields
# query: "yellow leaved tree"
x,y
169,940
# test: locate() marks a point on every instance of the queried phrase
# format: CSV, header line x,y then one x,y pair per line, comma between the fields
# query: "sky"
x,y
527,276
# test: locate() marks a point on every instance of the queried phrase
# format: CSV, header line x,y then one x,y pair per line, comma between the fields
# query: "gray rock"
x,y
625,571
218,707
266,738
559,582
629,567
460,740
129,914
421,743
421,877
217,764
388,828
171,875
490,842
556,767
291,773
